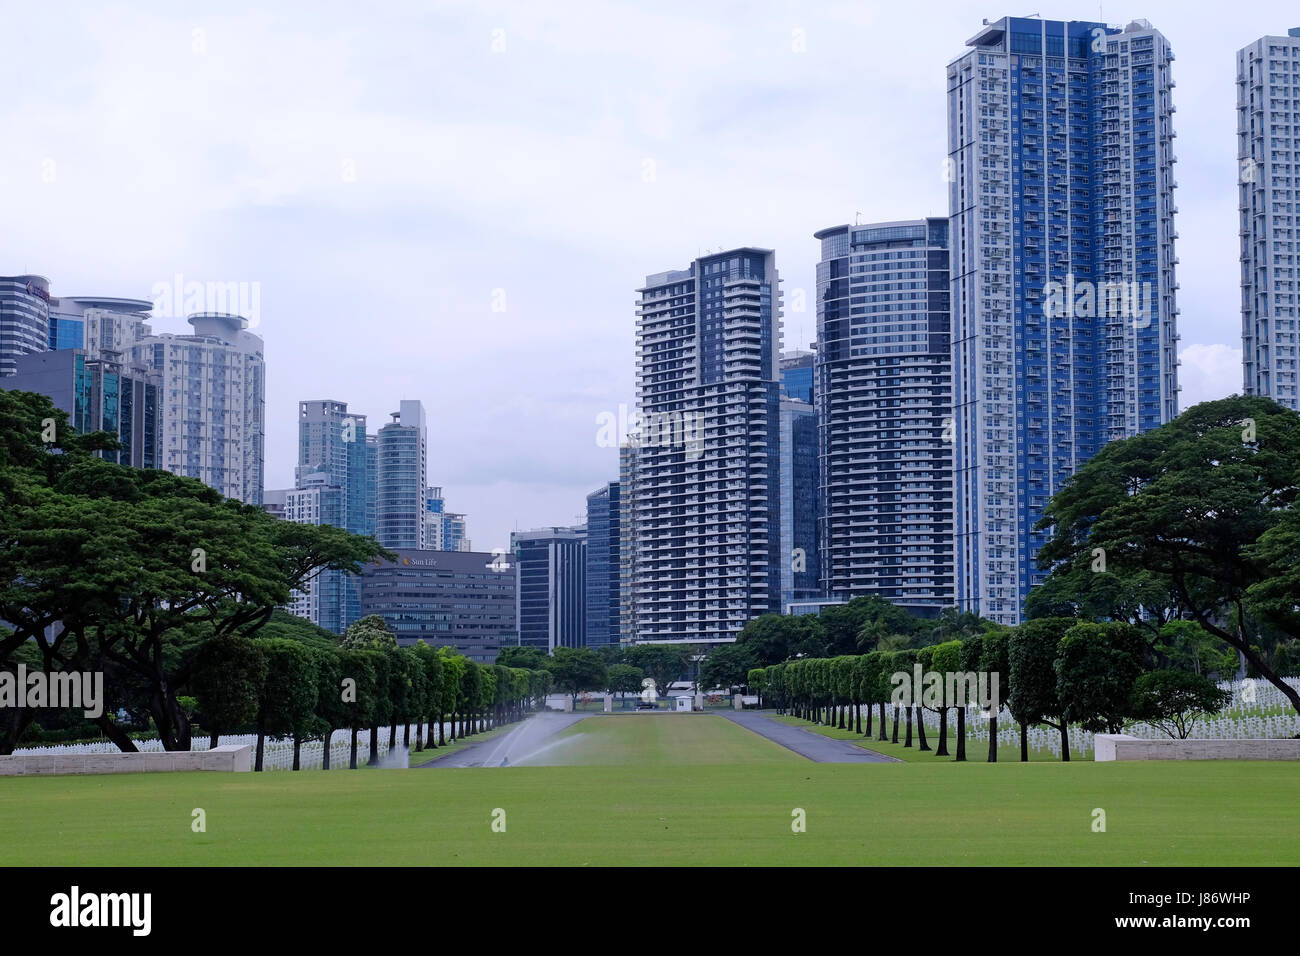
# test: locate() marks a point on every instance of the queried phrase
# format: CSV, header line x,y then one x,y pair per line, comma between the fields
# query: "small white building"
x,y
682,704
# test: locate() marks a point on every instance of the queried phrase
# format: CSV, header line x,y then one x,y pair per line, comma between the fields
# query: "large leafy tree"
x,y
1031,652
1096,667
577,669
664,662
229,672
1205,505
727,666
774,638
1172,699
286,703
105,564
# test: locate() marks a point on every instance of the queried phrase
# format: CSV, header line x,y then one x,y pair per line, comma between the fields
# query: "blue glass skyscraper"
x,y
603,559
1061,201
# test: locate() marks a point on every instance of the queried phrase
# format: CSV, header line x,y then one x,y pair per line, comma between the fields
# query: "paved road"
x,y
806,743
512,747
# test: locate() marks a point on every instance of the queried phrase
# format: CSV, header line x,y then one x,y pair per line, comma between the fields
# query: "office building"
x,y
99,394
797,373
706,499
1268,151
603,565
24,319
550,587
1063,291
452,599
884,401
443,530
627,475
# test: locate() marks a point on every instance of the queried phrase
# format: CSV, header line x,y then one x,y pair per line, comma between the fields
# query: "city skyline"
x,y
228,205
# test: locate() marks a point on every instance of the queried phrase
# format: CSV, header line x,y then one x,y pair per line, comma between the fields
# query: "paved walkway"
x,y
807,743
511,747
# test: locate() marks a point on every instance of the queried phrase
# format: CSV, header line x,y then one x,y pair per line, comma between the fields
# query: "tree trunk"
x,y
908,741
325,753
1024,742
961,733
212,741
867,732
392,736
841,724
116,734
943,733
374,747
406,736
993,736
261,739
857,713
442,730
894,739
884,733
1065,740
920,729
297,745
353,764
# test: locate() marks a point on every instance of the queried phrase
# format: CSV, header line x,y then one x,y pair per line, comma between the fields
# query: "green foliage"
x,y
664,662
1096,667
1031,653
286,702
229,672
577,669
369,632
527,657
727,666
1172,699
624,678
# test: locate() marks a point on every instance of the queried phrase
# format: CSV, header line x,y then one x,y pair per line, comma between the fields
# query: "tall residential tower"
x,y
1268,150
1062,236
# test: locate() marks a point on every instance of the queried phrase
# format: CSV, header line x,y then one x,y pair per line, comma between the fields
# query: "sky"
x,y
455,202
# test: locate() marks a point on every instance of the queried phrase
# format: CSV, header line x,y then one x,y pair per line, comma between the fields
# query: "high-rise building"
x,y
213,402
332,466
550,587
443,530
99,394
1268,150
463,599
800,502
706,500
603,565
98,324
1062,238
884,391
402,471
24,319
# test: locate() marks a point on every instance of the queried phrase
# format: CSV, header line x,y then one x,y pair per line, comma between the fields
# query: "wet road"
x,y
511,747
806,743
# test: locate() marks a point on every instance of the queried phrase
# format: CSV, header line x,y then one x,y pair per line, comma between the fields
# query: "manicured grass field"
x,y
668,805
660,740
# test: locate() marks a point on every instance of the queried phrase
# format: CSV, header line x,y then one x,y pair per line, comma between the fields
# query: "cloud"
x,y
1208,372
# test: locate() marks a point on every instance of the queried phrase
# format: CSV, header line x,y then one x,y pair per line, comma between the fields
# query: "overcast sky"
x,y
456,201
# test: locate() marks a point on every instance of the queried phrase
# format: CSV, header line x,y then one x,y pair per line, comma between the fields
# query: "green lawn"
x,y
660,740
695,793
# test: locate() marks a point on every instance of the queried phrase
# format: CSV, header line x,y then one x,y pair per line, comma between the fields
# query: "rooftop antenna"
x,y
857,218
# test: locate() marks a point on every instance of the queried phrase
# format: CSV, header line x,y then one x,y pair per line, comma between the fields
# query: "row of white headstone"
x,y
1257,710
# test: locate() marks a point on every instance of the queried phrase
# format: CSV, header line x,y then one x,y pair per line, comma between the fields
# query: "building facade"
x,y
99,394
603,565
800,504
884,410
332,488
443,530
1268,150
706,498
550,566
444,598
402,464
213,402
1062,236
24,319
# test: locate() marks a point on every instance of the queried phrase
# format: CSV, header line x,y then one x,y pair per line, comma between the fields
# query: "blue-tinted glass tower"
x,y
1061,203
